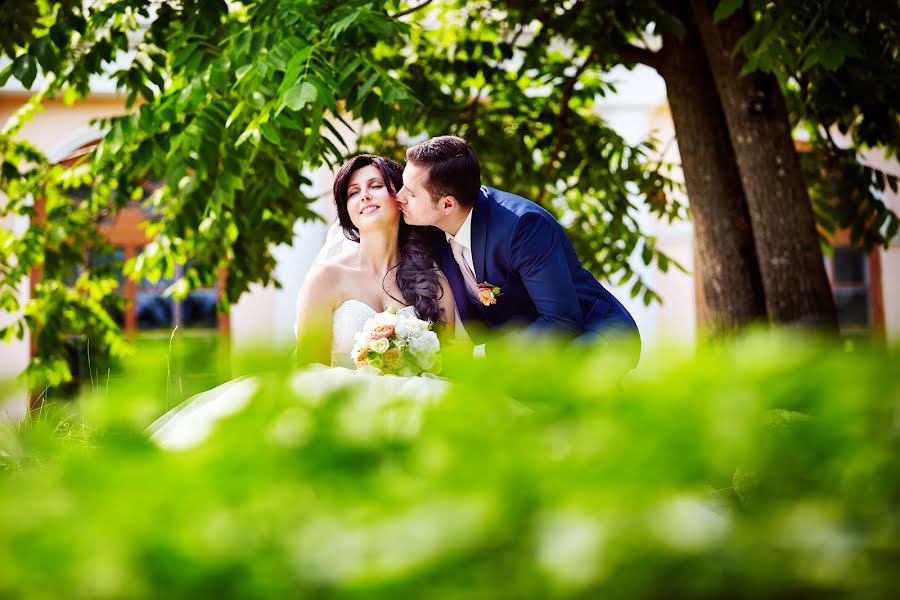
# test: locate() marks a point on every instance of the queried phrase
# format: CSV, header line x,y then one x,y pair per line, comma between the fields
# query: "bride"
x,y
390,268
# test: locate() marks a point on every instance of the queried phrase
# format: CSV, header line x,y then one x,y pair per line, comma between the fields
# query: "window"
x,y
856,284
141,307
850,280
98,262
154,310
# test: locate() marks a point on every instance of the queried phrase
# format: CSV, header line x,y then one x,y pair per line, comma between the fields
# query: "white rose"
x,y
414,324
404,329
380,345
368,326
434,345
419,346
387,318
359,339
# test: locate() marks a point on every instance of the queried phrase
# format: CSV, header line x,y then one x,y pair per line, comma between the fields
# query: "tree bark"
x,y
784,230
727,270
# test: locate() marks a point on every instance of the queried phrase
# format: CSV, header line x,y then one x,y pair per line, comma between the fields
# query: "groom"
x,y
507,259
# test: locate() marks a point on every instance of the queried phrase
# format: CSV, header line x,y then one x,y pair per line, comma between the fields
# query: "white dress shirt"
x,y
463,237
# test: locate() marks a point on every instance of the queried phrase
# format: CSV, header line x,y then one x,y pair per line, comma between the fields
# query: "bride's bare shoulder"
x,y
343,262
331,274
321,275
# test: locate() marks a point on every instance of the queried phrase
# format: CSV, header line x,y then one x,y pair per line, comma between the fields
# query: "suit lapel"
x,y
479,234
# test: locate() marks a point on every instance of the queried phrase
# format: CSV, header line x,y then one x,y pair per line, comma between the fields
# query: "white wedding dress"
x,y
191,422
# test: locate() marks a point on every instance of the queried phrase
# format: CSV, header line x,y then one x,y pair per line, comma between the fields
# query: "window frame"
x,y
841,239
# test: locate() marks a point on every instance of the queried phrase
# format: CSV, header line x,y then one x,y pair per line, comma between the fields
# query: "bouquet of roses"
x,y
397,345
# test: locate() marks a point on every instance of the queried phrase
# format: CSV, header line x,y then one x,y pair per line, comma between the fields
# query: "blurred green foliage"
x,y
764,467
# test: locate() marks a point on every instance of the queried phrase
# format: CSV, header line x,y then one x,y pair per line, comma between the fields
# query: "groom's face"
x,y
416,203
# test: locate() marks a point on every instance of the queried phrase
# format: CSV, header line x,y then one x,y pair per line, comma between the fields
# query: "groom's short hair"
x,y
453,168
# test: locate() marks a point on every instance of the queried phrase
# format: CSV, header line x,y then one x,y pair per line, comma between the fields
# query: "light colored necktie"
x,y
468,275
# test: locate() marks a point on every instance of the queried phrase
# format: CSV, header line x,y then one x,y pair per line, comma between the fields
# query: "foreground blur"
x,y
761,467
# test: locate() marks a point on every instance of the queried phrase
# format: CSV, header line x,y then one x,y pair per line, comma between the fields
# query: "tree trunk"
x,y
787,245
727,269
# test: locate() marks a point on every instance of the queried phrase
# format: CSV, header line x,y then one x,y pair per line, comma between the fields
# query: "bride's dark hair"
x,y
417,276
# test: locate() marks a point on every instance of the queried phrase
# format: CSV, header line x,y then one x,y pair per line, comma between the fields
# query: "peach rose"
x,y
382,331
486,296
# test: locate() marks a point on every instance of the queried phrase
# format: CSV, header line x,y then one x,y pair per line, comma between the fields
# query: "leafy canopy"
x,y
229,104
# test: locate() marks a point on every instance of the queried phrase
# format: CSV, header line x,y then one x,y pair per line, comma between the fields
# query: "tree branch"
x,y
520,29
561,118
634,54
410,10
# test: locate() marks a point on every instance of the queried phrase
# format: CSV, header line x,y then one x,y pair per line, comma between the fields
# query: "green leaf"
x,y
256,99
300,94
26,71
238,109
832,57
349,69
363,90
810,61
270,132
342,25
892,228
281,174
662,261
252,134
647,254
338,137
294,67
726,8
6,73
636,288
183,55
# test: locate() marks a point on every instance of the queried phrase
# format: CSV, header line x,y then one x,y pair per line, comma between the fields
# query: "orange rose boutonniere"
x,y
488,293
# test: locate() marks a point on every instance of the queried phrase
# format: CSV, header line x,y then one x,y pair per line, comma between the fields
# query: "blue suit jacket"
x,y
520,247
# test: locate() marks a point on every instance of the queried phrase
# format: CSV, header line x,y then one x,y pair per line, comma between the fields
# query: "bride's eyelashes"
x,y
374,186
